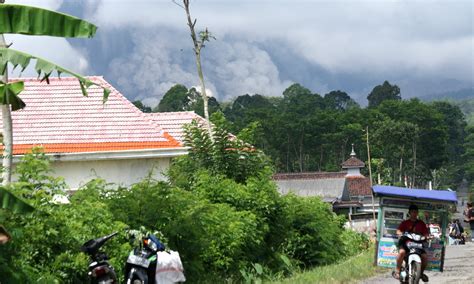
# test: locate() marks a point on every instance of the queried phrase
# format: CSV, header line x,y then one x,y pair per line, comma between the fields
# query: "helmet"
x,y
412,207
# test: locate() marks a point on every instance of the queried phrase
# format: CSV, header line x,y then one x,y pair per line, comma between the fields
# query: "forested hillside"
x,y
467,107
411,141
463,98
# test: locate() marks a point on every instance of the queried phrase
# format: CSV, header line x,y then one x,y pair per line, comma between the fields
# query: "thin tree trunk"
x,y
343,150
288,154
7,129
400,170
320,157
197,50
414,164
301,155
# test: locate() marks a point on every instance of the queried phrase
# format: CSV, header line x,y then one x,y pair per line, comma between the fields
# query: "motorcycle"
x,y
100,271
140,267
411,267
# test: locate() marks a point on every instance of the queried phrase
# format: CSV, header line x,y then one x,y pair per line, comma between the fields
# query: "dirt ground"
x,y
458,268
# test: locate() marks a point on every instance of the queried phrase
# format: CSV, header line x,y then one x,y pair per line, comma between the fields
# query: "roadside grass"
x,y
348,271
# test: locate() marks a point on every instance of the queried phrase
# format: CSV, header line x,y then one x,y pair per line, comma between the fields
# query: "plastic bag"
x,y
169,268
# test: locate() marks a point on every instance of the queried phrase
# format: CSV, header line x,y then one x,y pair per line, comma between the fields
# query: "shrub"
x,y
314,233
47,241
220,210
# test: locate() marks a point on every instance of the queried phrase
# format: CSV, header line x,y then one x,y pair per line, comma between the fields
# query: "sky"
x,y
143,47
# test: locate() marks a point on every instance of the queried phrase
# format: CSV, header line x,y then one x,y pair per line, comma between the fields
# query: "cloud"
x,y
263,46
156,64
47,4
151,68
47,48
343,36
239,67
54,49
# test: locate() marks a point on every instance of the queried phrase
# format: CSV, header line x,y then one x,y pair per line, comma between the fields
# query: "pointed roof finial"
x,y
353,153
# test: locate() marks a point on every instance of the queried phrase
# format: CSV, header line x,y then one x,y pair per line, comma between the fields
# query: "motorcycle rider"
x,y
412,225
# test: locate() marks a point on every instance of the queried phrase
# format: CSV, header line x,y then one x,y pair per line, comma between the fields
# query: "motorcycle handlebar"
x,y
92,246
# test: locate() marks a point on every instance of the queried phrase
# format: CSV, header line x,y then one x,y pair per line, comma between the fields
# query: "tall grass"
x,y
348,271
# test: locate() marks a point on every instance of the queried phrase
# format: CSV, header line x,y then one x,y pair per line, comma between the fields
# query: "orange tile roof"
x,y
58,117
173,122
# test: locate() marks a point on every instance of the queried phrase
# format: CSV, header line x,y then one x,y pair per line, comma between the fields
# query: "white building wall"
x,y
119,171
353,172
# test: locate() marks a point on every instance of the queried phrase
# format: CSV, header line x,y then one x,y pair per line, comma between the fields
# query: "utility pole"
x,y
370,171
373,198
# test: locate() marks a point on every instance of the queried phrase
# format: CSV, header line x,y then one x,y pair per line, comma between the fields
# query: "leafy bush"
x,y
314,232
220,210
354,242
34,173
47,241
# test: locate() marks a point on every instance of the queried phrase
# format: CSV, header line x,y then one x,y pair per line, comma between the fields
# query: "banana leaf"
x,y
9,95
10,202
43,67
19,19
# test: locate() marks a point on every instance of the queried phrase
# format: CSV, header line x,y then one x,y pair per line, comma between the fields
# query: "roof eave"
x,y
114,155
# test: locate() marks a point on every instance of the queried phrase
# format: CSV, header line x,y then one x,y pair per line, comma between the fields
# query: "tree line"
x,y
411,141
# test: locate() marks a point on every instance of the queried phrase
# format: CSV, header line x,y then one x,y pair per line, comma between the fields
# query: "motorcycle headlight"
x,y
152,245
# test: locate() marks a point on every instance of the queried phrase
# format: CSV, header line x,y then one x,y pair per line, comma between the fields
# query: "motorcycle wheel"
x,y
415,272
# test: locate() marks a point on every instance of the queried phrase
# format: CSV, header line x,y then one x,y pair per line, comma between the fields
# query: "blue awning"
x,y
414,193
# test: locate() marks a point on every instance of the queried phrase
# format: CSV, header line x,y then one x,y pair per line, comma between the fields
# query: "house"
x,y
86,138
173,122
348,191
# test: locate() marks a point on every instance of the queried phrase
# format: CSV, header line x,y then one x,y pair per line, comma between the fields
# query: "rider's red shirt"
x,y
419,227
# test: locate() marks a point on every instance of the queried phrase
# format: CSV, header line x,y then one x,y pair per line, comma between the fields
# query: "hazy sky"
x,y
262,46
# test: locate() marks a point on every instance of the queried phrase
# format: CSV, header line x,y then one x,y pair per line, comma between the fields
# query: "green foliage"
x,y
9,95
382,93
339,100
179,98
226,226
354,242
469,153
46,242
19,19
212,237
350,270
11,202
196,103
467,107
304,132
33,172
44,68
175,99
314,233
280,231
141,106
232,158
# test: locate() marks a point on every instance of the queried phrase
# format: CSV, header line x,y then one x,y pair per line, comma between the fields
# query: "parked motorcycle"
x,y
411,266
141,263
100,271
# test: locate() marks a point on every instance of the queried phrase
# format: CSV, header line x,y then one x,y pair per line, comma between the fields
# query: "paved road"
x,y
458,268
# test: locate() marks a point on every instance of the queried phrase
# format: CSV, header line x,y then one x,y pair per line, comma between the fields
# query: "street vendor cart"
x,y
434,207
